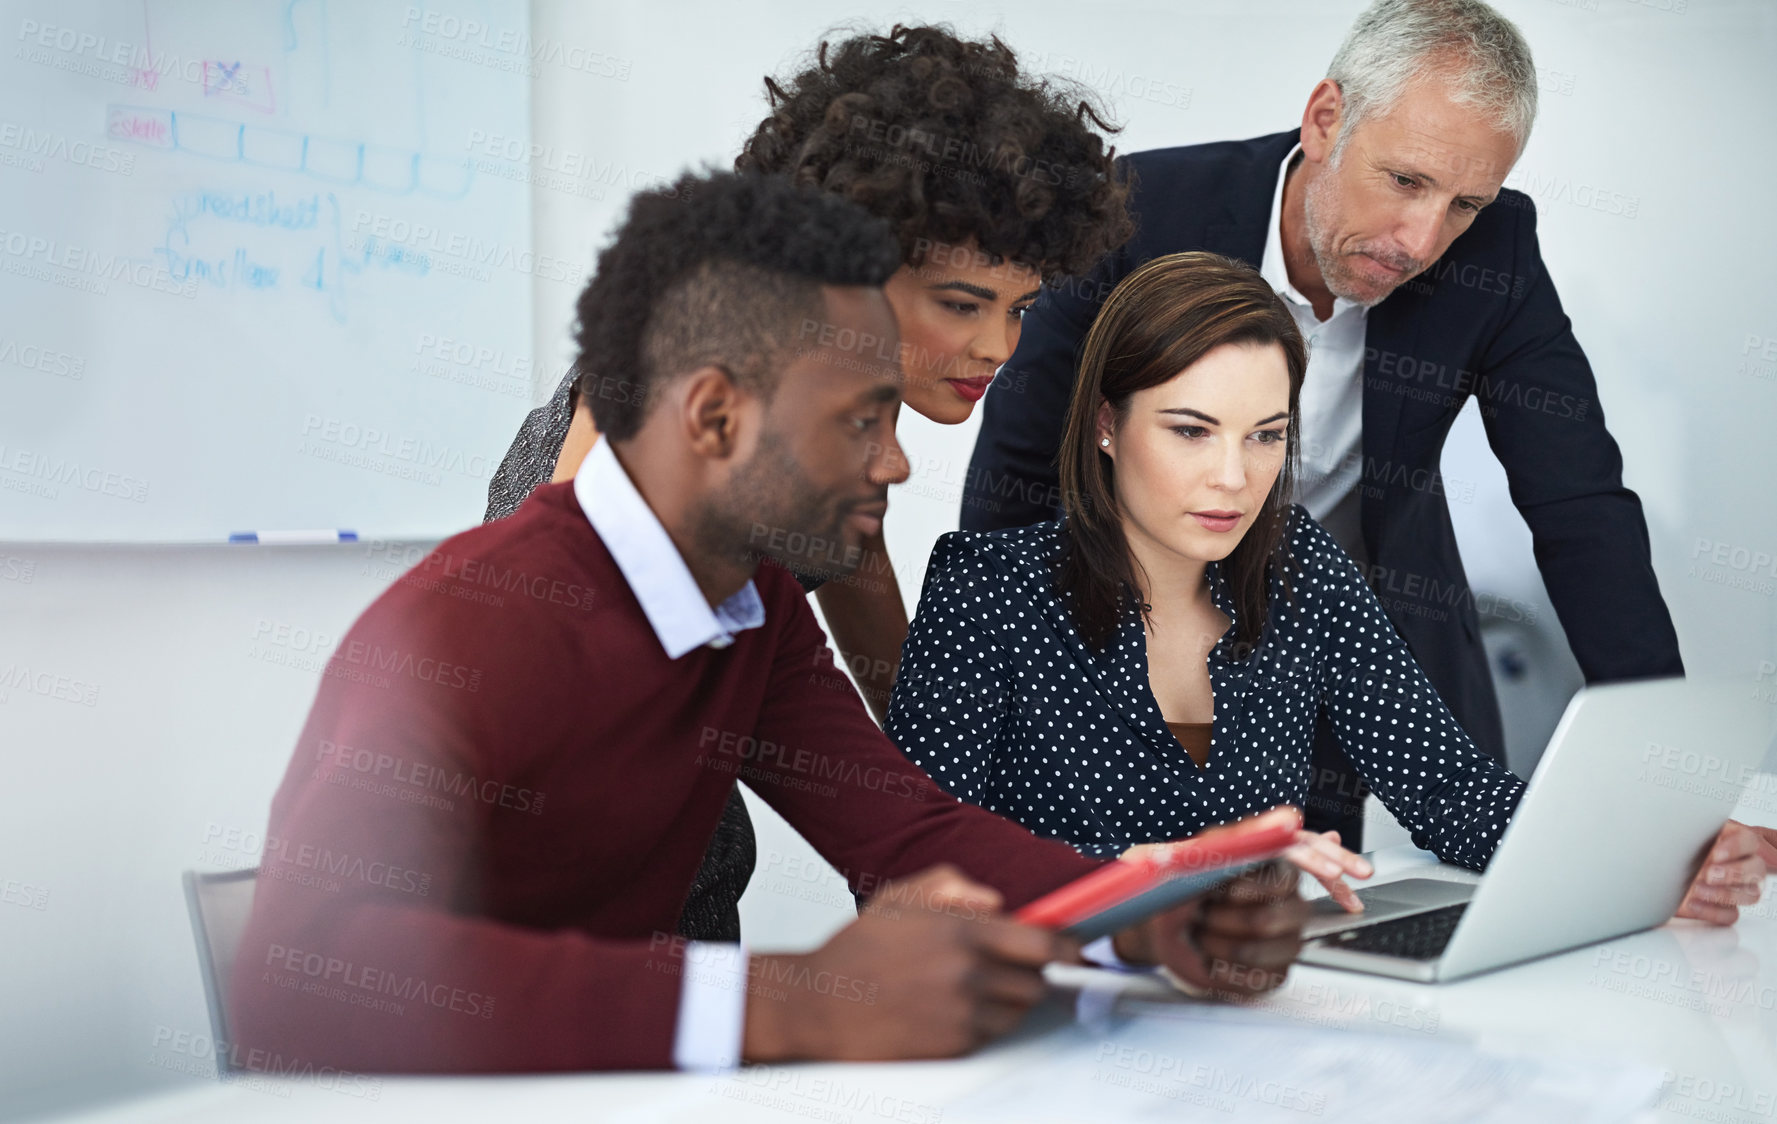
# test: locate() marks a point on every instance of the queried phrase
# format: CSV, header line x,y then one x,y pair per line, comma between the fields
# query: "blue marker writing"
x,y
287,538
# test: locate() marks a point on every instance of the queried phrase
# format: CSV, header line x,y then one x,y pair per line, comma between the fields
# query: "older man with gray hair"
x,y
1416,278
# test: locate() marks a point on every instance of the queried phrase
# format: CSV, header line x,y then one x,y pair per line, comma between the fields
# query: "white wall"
x,y
164,689
190,722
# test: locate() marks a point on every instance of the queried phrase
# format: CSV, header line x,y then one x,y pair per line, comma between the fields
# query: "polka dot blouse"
x,y
1002,702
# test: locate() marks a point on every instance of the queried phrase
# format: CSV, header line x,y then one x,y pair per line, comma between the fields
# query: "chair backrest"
x,y
220,904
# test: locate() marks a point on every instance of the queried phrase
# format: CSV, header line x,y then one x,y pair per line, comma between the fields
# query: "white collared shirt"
x,y
651,564
713,976
1331,438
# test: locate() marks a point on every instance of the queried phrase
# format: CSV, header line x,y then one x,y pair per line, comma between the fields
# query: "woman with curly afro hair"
x,y
995,181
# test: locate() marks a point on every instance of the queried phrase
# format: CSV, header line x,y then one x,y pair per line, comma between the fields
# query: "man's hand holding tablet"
x,y
1237,937
1158,875
933,968
1317,853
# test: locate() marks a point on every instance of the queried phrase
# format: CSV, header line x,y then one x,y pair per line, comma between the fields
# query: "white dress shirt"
x,y
1331,438
712,989
651,564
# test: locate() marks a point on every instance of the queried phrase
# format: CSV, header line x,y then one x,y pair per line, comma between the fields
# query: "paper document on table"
x,y
1244,1067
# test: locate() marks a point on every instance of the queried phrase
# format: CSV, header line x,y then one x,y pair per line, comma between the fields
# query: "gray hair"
x,y
1468,44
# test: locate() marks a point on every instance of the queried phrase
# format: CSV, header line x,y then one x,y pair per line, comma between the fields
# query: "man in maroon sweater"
x,y
518,754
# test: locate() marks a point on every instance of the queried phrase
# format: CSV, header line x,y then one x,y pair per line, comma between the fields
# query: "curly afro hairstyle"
x,y
718,268
946,139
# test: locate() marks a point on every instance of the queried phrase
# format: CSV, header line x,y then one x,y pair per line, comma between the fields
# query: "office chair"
x,y
220,903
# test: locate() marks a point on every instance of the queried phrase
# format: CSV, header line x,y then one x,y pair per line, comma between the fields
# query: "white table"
x,y
1697,1003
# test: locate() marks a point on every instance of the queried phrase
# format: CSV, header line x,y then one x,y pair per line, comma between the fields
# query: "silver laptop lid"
x,y
1636,782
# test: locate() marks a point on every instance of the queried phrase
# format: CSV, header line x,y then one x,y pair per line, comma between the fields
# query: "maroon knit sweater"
x,y
479,853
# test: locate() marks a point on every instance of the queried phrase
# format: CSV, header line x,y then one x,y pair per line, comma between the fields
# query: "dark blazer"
x,y
1000,700
1483,322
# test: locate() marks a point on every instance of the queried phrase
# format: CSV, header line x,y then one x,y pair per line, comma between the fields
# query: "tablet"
x,y
1121,893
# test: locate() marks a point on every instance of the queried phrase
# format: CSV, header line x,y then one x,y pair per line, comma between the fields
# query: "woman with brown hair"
x,y
1154,662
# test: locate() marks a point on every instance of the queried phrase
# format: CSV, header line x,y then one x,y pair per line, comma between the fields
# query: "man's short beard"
x,y
1316,194
767,508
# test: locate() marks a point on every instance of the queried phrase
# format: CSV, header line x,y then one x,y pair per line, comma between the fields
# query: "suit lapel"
x,y
1243,235
1245,221
1242,241
1389,330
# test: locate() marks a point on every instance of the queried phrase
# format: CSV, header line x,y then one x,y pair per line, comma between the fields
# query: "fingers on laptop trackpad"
x,y
1392,899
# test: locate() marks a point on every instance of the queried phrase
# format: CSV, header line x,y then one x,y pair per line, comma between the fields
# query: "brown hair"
x,y
1159,320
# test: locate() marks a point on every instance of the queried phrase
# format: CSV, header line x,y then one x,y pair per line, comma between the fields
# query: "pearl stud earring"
x,y
1105,441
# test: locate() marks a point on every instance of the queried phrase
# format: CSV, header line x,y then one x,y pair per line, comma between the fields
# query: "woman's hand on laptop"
x,y
1733,875
1319,854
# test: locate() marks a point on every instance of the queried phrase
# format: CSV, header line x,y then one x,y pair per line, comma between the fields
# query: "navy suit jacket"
x,y
1483,321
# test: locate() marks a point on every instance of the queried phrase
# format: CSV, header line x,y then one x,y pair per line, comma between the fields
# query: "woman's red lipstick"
x,y
970,390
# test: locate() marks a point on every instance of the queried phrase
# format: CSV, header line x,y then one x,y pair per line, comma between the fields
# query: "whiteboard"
x,y
253,276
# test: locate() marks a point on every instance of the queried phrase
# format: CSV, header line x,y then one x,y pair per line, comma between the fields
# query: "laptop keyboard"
x,y
1421,936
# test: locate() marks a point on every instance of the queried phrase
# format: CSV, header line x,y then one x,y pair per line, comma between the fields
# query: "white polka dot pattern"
x,y
1000,700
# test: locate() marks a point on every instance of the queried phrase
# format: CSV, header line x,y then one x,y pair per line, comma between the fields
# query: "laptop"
x,y
1635,783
